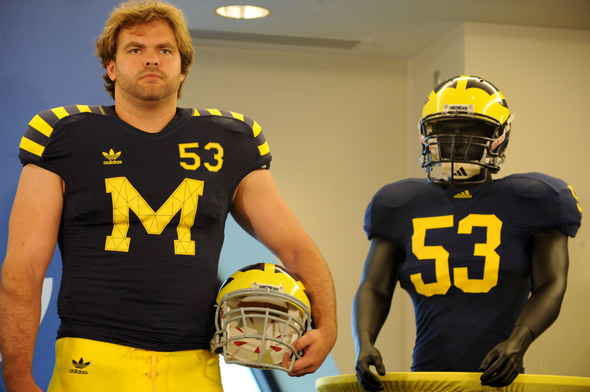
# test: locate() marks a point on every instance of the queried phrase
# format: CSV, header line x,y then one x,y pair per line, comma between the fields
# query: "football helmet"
x,y
260,311
464,130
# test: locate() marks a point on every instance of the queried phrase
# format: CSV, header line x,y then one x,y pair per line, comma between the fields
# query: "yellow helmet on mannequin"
x,y
464,130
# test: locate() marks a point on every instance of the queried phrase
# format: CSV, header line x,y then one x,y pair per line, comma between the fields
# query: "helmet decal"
x,y
498,141
450,108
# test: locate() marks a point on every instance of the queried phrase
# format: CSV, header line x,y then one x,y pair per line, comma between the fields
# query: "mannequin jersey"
x,y
467,262
143,219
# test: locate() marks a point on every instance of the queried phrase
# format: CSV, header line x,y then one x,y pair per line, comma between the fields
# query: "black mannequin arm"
x,y
371,306
549,266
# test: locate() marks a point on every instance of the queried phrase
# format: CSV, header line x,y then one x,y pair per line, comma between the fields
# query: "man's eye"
x,y
166,51
135,50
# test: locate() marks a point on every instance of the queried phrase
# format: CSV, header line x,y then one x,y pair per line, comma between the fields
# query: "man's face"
x,y
147,63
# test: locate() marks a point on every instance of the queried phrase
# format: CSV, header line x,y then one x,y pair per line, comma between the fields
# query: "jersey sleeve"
x,y
569,213
557,199
34,146
372,214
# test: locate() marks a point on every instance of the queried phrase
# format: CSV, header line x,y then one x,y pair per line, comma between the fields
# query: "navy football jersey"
x,y
143,219
467,261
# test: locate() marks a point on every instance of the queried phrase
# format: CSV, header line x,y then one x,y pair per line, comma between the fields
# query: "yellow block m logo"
x,y
125,197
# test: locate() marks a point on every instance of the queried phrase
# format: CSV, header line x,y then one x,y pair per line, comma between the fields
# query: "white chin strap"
x,y
461,171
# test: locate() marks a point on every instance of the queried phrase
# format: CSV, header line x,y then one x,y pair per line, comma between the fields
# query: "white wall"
x,y
341,127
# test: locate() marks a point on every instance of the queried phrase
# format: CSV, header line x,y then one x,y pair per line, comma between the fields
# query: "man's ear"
x,y
111,69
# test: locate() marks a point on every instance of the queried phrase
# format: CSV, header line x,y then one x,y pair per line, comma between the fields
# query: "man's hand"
x,y
369,355
316,346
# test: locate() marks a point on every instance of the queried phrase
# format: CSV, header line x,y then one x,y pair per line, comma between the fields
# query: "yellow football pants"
x,y
84,365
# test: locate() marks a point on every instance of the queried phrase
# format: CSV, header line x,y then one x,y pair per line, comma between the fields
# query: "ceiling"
x,y
397,29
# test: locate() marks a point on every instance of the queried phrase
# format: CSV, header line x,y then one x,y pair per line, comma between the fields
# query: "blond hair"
x,y
132,13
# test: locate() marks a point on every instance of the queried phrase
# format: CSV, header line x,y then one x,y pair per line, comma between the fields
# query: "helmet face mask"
x,y
464,131
261,310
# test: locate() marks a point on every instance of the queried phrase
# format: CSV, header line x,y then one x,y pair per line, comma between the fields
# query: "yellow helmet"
x,y
260,311
464,130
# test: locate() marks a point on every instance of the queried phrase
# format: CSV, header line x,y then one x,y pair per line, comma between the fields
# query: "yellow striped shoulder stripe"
x,y
44,123
256,128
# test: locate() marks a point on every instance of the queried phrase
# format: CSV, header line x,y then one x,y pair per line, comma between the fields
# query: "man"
x,y
137,195
468,249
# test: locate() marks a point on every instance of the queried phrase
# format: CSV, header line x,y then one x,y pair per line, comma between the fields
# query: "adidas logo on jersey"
x,y
112,157
463,195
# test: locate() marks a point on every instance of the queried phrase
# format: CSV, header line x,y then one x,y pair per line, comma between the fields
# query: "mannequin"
x,y
485,261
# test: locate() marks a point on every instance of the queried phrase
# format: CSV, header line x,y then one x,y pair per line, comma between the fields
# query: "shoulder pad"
x,y
402,192
41,126
256,128
535,185
556,197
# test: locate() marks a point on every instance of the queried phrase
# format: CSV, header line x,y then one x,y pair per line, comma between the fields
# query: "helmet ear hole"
x,y
261,311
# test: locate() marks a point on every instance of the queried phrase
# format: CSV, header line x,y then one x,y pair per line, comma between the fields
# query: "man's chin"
x,y
154,95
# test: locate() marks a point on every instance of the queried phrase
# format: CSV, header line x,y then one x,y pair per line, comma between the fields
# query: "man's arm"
x,y
371,306
549,266
261,211
33,228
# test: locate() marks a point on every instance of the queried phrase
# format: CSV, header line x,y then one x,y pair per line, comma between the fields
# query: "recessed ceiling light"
x,y
242,12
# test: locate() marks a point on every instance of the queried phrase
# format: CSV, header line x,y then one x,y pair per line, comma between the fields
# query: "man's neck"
x,y
149,117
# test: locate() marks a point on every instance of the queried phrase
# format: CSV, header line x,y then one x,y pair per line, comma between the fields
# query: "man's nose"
x,y
151,59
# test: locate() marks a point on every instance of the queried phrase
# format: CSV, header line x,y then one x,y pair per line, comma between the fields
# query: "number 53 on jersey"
x,y
441,256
